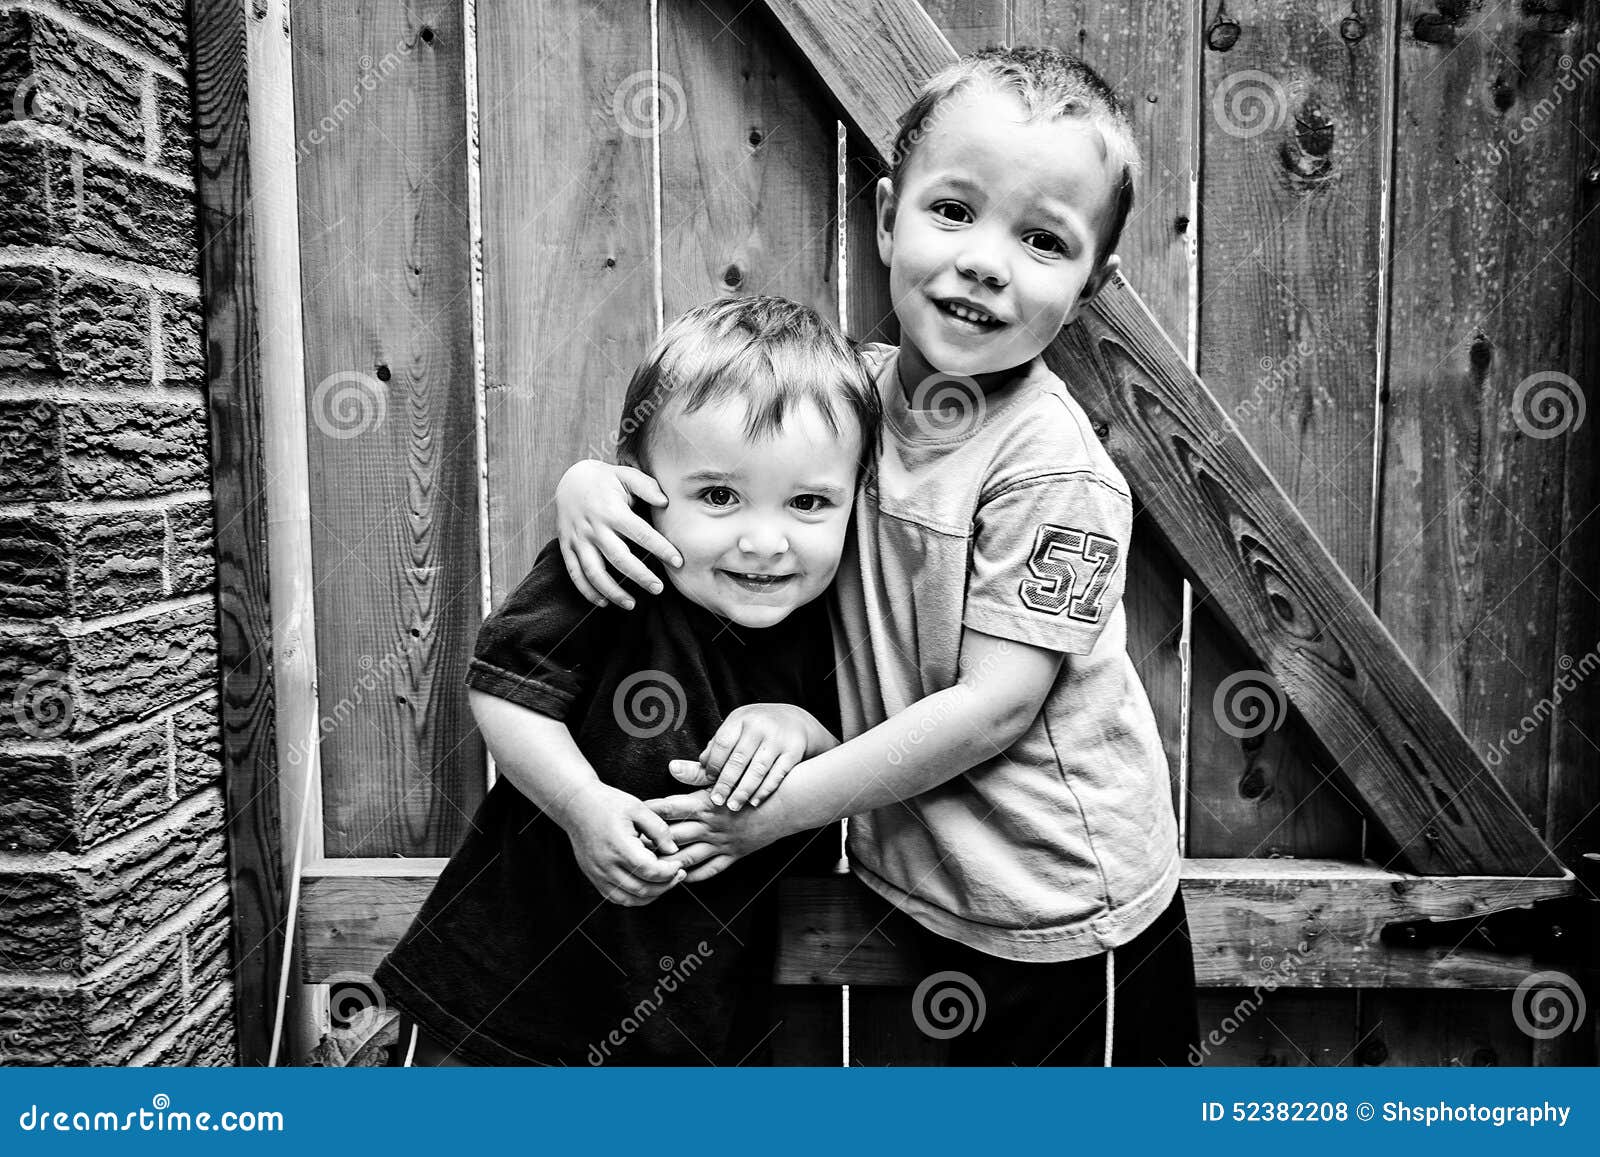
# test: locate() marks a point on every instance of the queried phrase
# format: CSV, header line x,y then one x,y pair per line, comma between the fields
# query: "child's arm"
x,y
1001,687
756,747
537,754
594,513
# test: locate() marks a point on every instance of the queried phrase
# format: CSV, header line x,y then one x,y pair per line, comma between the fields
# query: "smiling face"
x,y
760,524
992,238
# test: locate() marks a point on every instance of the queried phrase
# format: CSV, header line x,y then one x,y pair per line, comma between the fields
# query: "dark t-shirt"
x,y
515,958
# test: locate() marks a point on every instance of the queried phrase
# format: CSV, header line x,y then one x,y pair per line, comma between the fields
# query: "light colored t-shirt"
x,y
1011,519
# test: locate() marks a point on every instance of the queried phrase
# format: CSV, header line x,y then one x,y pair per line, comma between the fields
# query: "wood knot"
x,y
1372,1052
1223,34
755,138
383,373
732,277
1352,28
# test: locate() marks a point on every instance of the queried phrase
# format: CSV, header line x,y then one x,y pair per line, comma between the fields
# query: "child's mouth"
x,y
756,582
969,317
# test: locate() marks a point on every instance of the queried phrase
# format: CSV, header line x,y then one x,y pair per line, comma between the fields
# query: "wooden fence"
x,y
1367,227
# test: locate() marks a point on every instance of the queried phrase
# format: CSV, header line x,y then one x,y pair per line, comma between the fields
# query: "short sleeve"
x,y
539,648
1049,561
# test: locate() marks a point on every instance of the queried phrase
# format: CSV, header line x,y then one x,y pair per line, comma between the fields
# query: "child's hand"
x,y
605,826
594,513
751,753
710,837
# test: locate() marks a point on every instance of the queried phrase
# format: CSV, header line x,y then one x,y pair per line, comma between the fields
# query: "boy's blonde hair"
x,y
1049,83
768,352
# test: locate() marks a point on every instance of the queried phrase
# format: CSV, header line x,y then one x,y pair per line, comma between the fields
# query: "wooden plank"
x,y
391,419
1293,107
1291,1028
1483,296
1231,524
1474,1029
748,199
248,280
1248,919
568,248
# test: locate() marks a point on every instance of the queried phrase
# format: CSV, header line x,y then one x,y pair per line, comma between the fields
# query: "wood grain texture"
x,y
748,199
1472,504
1290,203
565,99
1249,919
391,419
234,385
1487,290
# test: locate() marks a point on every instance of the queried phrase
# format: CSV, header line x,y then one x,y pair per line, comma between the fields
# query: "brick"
x,y
175,119
78,919
197,747
121,673
116,561
127,450
208,949
103,1020
208,1035
33,566
31,462
48,75
54,195
158,27
190,560
182,355
59,323
37,695
57,564
71,800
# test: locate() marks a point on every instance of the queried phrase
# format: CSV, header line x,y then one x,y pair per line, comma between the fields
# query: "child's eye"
x,y
952,211
811,503
1047,242
718,496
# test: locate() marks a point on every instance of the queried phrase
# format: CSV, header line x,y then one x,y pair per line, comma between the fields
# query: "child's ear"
x,y
1096,282
886,206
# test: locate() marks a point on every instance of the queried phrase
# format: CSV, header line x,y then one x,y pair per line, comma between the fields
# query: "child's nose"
x,y
981,264
766,543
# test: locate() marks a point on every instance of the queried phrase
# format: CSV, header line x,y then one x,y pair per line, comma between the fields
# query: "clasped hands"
x,y
633,851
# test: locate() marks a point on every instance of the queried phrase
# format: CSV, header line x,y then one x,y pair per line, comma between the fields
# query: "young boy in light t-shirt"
x,y
1001,747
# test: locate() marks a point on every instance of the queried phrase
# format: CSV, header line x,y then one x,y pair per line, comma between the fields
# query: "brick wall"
x,y
113,894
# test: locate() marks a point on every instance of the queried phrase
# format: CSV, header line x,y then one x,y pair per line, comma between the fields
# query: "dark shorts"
x,y
1055,1013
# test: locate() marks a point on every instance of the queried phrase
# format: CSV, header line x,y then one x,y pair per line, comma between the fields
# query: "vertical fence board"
x,y
384,257
565,93
747,164
1289,210
749,205
1483,298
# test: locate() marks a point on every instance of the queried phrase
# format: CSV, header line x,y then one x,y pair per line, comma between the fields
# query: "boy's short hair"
x,y
770,353
1049,83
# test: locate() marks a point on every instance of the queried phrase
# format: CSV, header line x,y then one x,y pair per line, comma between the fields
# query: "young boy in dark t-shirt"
x,y
561,932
